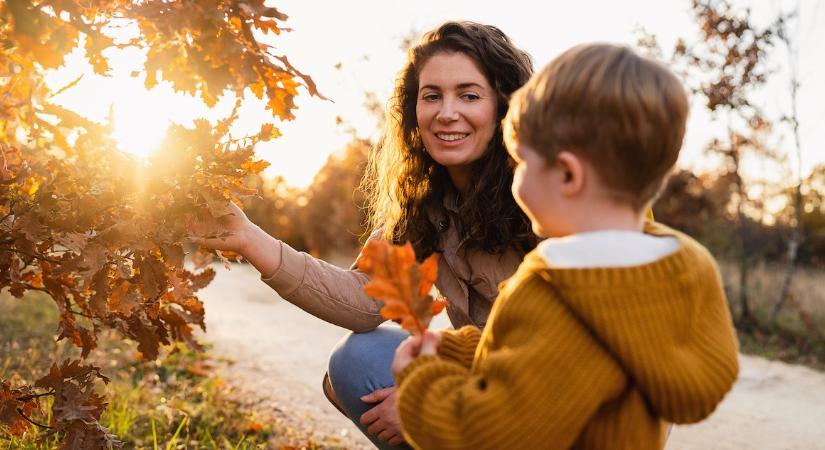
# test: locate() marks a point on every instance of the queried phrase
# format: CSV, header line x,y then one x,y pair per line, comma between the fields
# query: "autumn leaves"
x,y
401,283
99,232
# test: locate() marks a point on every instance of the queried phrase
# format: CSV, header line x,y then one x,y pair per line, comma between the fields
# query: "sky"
x,y
353,47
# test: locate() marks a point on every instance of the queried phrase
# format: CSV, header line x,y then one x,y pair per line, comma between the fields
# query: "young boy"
x,y
613,326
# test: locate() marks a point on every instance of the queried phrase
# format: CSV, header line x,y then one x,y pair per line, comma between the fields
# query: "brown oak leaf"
x,y
401,283
10,401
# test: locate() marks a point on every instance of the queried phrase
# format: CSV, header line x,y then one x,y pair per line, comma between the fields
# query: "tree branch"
x,y
33,288
21,252
26,398
82,314
20,411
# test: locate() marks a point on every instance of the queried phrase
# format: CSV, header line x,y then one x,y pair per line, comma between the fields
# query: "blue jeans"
x,y
359,365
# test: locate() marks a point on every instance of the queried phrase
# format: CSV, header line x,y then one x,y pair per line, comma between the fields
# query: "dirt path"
x,y
772,406
280,355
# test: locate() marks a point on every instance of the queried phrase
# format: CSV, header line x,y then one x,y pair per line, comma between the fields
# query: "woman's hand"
x,y
382,420
229,232
426,344
234,232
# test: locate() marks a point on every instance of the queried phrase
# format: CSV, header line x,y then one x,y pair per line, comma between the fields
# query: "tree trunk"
x,y
796,233
784,289
745,315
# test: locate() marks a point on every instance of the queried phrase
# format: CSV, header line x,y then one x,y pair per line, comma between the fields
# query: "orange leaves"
x,y
212,49
101,232
77,406
96,43
71,381
10,401
236,24
254,427
269,132
263,18
401,283
38,36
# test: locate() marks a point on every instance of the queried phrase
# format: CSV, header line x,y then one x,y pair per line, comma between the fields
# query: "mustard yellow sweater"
x,y
597,358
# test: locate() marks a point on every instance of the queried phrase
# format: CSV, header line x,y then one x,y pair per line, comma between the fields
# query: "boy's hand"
x,y
405,353
432,339
426,344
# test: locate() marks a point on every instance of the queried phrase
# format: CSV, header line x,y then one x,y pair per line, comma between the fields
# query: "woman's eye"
x,y
430,97
471,97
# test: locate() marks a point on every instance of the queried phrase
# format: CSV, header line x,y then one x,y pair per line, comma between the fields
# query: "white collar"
x,y
606,248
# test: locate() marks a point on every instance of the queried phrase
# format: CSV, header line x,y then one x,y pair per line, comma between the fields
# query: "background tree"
x,y
812,218
277,210
726,67
792,118
335,215
696,204
97,230
327,218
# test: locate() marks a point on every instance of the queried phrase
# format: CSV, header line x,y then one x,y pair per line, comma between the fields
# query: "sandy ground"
x,y
280,355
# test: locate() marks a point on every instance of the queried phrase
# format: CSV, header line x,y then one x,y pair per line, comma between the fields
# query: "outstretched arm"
x,y
328,292
236,233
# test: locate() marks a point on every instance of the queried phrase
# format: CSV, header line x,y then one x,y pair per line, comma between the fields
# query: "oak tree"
x,y
99,231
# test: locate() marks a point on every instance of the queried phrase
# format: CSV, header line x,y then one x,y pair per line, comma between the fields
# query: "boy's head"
x,y
603,121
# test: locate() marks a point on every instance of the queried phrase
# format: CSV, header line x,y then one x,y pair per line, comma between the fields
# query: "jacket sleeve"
x,y
326,291
536,386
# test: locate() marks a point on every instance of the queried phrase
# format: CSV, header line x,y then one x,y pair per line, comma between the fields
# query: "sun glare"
x,y
140,118
136,129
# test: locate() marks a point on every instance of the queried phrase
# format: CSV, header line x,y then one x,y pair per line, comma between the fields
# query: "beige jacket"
x,y
468,279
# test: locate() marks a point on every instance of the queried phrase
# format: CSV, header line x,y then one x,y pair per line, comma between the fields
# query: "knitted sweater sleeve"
x,y
460,345
537,379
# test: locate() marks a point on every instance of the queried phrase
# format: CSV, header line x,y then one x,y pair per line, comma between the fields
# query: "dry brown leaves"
x,y
402,284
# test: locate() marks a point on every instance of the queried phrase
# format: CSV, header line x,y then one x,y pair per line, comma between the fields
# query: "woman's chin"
x,y
454,158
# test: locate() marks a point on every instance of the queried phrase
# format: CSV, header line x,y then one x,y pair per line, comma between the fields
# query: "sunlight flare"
x,y
136,129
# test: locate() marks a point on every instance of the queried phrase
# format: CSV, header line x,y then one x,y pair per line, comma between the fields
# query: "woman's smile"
x,y
456,111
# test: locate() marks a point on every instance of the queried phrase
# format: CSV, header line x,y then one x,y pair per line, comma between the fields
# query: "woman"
x,y
440,179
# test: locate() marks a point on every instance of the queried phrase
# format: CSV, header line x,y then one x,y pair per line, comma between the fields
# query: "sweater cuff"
x,y
290,274
415,384
460,345
417,362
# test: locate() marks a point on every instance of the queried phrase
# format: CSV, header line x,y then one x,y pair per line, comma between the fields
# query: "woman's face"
x,y
456,110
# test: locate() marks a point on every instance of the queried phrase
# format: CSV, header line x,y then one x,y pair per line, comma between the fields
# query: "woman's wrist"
x,y
261,250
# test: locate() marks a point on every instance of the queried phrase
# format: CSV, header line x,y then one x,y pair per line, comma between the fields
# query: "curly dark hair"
x,y
405,185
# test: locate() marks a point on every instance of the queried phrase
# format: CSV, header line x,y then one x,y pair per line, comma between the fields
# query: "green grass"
x,y
177,402
788,340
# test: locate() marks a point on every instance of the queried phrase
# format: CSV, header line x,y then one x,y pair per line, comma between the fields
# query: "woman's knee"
x,y
345,356
364,358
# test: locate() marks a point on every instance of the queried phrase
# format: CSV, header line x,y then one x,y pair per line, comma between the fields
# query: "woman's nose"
x,y
447,113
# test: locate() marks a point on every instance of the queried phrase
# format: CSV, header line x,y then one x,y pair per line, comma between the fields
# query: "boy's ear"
x,y
573,174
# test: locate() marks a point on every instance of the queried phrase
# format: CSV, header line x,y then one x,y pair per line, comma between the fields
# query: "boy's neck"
x,y
607,215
